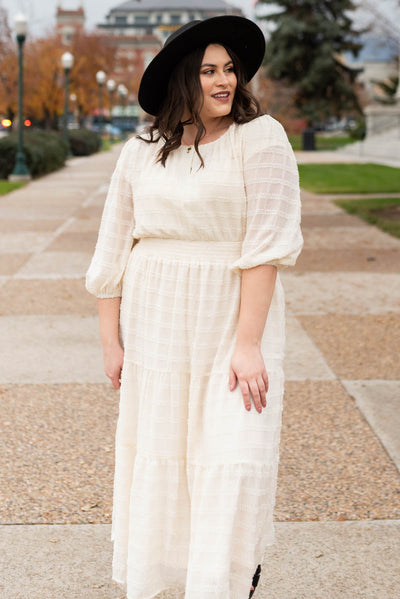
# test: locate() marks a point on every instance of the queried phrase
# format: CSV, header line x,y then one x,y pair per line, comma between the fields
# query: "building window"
x,y
158,19
175,19
120,20
141,19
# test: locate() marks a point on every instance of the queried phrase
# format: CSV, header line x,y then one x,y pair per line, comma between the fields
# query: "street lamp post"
x,y
100,78
111,90
123,94
21,171
398,74
73,98
67,61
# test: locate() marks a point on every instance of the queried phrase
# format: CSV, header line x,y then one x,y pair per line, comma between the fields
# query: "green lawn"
x,y
382,212
322,142
349,178
105,145
6,186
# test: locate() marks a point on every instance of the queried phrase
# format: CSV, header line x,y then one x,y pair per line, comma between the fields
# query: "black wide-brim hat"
x,y
241,35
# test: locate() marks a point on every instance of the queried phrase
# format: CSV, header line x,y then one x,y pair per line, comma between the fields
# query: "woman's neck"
x,y
214,128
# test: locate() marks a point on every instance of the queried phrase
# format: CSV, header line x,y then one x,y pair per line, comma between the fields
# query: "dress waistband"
x,y
187,250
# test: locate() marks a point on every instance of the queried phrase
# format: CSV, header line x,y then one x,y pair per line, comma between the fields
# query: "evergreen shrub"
x,y
359,131
84,142
45,152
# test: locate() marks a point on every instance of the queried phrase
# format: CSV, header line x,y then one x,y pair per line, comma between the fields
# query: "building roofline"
x,y
78,11
195,6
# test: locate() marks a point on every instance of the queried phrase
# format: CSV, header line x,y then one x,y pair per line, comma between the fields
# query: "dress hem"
x,y
153,595
178,588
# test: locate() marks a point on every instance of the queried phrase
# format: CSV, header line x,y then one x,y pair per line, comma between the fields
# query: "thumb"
x,y
232,379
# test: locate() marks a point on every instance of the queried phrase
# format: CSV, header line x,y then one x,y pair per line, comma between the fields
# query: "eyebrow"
x,y
207,64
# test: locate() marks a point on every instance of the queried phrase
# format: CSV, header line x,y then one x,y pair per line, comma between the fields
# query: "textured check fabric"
x,y
195,474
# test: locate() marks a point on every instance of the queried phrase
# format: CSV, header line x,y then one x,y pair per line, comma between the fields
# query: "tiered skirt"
x,y
195,475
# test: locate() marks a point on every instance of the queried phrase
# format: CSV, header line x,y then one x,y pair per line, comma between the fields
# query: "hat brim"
x,y
241,35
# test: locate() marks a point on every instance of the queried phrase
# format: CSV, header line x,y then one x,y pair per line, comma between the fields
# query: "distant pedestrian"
x,y
200,214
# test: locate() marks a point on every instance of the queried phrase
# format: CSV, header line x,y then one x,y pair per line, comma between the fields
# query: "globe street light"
x,y
21,171
111,89
123,94
101,78
67,61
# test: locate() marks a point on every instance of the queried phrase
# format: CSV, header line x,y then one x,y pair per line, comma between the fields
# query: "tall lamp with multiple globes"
x,y
111,89
73,98
398,75
101,78
21,171
123,94
67,61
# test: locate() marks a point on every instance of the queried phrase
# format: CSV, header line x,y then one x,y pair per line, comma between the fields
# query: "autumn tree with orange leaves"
x,y
44,76
8,69
91,53
43,82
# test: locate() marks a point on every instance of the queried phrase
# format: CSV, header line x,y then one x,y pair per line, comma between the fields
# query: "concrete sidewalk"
x,y
347,154
338,501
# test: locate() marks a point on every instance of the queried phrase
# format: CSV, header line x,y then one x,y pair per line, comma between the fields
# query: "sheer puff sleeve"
x,y
115,240
271,180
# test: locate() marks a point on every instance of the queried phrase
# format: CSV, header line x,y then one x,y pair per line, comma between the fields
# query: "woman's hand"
x,y
113,356
248,368
247,364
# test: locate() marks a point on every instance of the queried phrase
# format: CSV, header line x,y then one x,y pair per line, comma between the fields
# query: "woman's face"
x,y
218,82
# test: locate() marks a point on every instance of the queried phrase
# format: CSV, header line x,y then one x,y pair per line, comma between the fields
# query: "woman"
x,y
199,216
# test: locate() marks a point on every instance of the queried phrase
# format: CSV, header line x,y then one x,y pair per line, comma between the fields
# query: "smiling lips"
x,y
221,96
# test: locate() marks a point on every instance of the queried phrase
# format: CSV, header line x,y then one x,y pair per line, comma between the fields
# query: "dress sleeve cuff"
x,y
105,292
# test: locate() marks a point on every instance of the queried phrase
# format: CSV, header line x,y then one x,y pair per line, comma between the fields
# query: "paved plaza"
x,y
338,502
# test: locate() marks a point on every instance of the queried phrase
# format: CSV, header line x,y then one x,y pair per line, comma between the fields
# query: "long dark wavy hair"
x,y
185,94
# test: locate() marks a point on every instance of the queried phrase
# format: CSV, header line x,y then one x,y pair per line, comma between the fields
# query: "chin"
x,y
224,111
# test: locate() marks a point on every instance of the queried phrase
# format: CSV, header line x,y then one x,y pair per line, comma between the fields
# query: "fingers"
x,y
255,389
247,368
265,379
262,391
113,364
116,382
244,388
115,377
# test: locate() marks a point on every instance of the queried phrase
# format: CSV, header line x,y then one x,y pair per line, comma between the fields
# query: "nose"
x,y
222,78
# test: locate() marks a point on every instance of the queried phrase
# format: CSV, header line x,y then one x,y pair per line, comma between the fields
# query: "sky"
x,y
41,13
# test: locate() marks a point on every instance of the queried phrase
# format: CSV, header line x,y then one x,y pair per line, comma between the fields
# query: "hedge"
x,y
45,151
84,142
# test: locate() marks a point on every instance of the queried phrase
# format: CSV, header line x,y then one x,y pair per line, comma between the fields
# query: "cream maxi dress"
x,y
195,474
